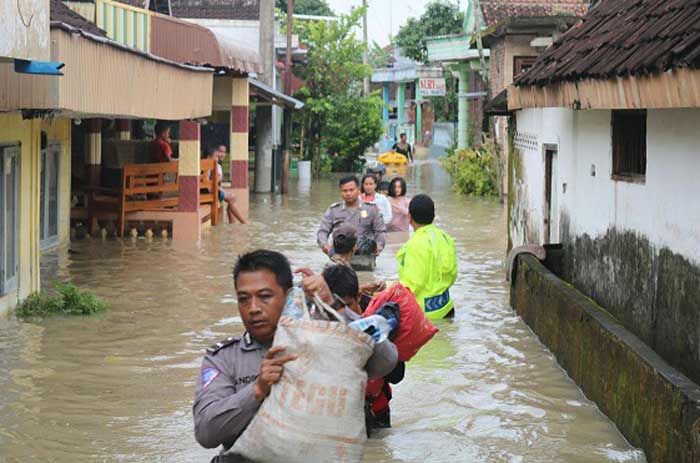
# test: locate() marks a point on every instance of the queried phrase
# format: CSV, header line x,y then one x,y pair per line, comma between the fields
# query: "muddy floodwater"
x,y
118,387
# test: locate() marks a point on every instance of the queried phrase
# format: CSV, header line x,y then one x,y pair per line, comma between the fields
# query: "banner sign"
x,y
432,87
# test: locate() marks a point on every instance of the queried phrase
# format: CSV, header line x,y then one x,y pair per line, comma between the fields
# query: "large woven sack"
x,y
316,412
415,330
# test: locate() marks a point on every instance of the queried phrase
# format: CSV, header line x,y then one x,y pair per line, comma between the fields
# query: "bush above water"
x,y
474,171
62,299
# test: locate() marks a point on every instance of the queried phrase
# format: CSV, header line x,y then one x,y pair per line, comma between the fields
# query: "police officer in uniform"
x,y
237,374
365,218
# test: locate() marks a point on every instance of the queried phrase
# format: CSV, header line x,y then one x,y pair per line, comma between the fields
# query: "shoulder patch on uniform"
x,y
335,205
208,375
214,348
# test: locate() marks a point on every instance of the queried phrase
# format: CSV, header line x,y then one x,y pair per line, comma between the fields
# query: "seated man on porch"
x,y
218,153
161,151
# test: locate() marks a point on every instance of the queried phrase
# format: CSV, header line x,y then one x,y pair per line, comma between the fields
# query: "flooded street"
x,y
118,387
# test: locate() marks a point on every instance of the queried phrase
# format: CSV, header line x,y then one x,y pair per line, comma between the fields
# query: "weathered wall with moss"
x,y
656,407
653,292
632,246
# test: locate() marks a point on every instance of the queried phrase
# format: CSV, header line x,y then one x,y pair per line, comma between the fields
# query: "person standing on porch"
x,y
428,261
403,147
233,213
161,151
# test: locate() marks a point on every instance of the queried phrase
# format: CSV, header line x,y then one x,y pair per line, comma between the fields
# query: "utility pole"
x,y
365,55
288,90
263,111
479,44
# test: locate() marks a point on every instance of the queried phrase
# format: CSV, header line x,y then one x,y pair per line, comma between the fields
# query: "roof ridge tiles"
x,y
620,38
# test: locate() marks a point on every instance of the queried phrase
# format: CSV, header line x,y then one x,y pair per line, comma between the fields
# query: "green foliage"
x,y
63,299
337,121
378,56
474,171
445,107
441,17
354,124
310,7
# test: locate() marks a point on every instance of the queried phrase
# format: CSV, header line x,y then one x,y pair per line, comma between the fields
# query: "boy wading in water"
x,y
237,373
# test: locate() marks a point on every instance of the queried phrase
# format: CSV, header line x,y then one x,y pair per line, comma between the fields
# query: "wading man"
x,y
403,147
237,374
428,261
365,218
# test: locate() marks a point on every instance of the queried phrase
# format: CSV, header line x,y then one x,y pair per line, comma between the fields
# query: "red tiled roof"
x,y
217,9
623,38
60,13
497,11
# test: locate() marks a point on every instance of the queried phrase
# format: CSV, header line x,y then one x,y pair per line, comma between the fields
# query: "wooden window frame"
x,y
9,284
519,62
624,125
47,240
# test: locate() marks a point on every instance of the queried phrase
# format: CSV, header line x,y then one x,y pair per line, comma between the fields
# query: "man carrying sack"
x,y
238,374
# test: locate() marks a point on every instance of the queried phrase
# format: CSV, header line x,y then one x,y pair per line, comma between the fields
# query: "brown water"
x,y
118,387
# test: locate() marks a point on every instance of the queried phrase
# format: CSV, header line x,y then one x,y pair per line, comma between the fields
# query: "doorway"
x,y
551,200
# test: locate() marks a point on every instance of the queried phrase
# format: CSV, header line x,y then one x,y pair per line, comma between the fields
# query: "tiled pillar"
x,y
187,226
124,129
93,163
239,143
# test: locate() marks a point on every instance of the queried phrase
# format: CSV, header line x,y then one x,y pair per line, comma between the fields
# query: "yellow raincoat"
x,y
428,266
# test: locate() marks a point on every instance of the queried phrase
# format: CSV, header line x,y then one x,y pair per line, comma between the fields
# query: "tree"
x,y
337,121
379,57
441,17
310,7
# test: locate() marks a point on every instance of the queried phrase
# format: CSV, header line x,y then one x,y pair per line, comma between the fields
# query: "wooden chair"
x,y
209,187
148,187
155,187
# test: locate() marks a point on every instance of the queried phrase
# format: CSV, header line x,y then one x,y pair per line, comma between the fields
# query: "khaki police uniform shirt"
x,y
367,220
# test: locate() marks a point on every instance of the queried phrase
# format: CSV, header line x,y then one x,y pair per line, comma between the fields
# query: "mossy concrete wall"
x,y
654,405
653,292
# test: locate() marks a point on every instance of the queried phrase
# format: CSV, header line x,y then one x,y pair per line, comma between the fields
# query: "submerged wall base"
x,y
655,406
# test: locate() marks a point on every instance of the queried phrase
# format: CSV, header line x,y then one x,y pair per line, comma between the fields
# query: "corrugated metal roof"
x,y
497,11
64,18
274,96
621,38
190,43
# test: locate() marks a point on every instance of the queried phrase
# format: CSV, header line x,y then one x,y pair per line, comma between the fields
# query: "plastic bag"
x,y
316,412
415,330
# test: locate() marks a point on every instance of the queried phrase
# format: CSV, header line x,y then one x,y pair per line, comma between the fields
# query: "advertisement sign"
x,y
432,87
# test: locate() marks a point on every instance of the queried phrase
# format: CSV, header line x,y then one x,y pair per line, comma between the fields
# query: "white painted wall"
x,y
24,29
665,209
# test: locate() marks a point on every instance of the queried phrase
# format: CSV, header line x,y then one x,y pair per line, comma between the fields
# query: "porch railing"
x,y
125,24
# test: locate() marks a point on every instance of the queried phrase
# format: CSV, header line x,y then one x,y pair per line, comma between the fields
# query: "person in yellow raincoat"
x,y
428,261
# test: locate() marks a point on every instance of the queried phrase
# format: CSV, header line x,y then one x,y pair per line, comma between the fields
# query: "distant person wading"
x,y
428,261
403,147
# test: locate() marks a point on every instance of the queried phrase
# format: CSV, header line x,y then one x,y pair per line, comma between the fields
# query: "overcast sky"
x,y
384,16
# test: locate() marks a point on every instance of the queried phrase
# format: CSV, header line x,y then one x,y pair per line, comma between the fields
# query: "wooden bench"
x,y
156,187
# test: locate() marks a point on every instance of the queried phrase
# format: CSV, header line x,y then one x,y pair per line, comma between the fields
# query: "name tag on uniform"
x,y
363,214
